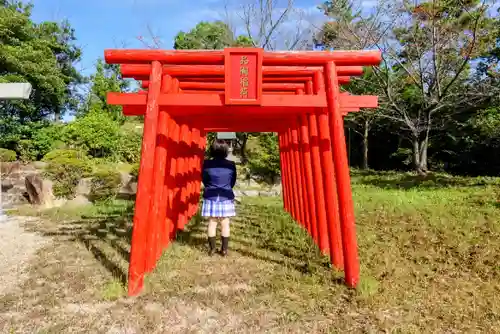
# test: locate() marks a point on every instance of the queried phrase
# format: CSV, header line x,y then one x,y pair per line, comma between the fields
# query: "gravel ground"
x,y
17,248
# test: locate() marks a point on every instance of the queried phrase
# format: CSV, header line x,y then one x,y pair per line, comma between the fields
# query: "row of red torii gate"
x,y
187,94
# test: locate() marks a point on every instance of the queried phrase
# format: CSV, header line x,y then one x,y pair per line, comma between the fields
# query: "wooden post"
x,y
318,184
182,169
284,186
328,172
286,173
195,171
172,182
293,175
157,199
346,206
303,181
308,173
201,154
142,206
163,218
297,173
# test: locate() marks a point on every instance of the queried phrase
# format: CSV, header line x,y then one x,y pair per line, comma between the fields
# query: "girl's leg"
x,y
225,235
225,227
212,232
212,227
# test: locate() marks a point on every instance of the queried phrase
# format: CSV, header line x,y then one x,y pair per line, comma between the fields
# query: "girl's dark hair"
x,y
219,149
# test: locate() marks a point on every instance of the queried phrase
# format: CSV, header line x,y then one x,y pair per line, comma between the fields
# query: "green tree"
x,y
265,159
214,36
107,78
42,54
209,36
427,54
361,122
96,133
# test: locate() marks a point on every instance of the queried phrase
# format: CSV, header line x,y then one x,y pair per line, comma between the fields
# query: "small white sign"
x,y
226,135
15,91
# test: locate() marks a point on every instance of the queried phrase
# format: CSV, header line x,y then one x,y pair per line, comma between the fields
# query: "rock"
x,y
276,187
83,187
12,168
16,172
6,185
79,200
39,191
266,193
251,183
125,178
133,187
40,164
128,187
58,202
250,193
12,198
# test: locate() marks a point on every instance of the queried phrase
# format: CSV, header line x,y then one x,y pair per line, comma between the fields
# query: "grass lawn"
x,y
429,251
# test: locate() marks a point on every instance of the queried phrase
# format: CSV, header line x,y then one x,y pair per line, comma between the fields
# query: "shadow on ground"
x,y
275,239
107,234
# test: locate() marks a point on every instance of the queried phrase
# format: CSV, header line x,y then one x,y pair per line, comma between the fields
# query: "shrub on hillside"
x,y
7,155
264,160
66,168
129,146
135,171
105,185
63,153
96,133
43,140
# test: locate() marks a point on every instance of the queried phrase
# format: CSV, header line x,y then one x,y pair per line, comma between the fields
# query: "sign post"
x,y
11,91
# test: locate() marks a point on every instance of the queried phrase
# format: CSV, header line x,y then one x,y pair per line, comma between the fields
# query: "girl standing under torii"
x,y
219,178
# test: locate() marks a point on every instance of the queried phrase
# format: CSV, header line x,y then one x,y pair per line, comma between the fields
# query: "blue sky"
x,y
102,24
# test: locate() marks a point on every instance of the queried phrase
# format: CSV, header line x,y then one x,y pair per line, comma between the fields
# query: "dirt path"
x,y
17,248
68,288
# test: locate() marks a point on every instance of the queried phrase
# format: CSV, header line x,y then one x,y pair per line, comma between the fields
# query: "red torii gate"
x,y
190,93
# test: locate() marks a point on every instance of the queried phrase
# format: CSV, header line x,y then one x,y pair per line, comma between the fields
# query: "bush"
x,y
7,155
26,149
105,185
43,140
96,133
264,160
64,154
135,171
66,168
129,146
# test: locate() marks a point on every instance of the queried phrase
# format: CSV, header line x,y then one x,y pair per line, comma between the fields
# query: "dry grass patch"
x,y
428,248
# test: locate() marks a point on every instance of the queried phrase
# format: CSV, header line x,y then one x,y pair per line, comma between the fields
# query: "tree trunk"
x,y
57,116
423,156
243,149
424,145
365,144
416,155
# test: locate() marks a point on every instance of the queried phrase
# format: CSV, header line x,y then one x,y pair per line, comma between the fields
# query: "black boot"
x,y
225,243
211,245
